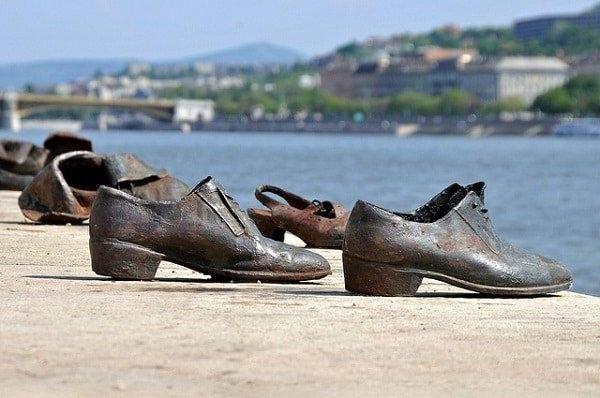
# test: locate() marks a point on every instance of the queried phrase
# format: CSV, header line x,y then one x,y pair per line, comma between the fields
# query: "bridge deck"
x,y
82,100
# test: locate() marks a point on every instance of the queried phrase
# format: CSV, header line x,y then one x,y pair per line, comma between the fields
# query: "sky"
x,y
166,29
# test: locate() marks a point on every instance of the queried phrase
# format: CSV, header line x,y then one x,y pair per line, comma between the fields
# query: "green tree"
x,y
580,95
505,105
583,85
555,101
456,102
409,104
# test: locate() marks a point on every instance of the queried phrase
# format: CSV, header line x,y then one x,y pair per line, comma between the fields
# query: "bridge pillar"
x,y
9,113
102,121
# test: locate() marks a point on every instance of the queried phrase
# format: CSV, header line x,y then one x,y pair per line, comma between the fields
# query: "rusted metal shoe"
x,y
450,239
205,231
318,224
63,192
19,162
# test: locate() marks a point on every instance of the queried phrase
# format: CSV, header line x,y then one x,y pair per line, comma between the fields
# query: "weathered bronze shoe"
x,y
19,162
450,239
13,181
64,190
63,142
205,231
318,224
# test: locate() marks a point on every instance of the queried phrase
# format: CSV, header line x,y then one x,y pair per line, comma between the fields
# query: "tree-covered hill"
x,y
565,39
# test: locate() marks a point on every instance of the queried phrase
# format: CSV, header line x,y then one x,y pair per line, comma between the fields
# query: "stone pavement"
x,y
65,331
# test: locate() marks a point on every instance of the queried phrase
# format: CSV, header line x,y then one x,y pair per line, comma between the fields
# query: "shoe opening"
x,y
84,175
324,209
438,206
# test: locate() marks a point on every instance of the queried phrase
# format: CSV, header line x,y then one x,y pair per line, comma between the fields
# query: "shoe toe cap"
x,y
307,261
287,262
541,272
557,273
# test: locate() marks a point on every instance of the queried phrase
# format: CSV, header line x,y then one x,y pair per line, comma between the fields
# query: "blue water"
x,y
543,193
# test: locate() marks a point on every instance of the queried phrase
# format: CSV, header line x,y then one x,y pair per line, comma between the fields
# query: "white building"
x,y
513,77
490,79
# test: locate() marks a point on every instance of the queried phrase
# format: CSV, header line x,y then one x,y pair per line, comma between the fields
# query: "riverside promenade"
x,y
67,332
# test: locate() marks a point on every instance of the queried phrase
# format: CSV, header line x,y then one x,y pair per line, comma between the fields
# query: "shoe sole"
x,y
379,279
128,261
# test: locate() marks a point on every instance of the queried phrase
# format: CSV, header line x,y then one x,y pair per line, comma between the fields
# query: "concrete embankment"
x,y
401,128
68,332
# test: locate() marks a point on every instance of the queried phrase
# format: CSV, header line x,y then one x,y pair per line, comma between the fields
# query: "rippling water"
x,y
543,193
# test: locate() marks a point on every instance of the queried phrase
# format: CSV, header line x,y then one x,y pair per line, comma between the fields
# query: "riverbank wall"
x,y
404,128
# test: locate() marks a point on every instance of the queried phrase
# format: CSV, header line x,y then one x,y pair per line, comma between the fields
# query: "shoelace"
x,y
323,210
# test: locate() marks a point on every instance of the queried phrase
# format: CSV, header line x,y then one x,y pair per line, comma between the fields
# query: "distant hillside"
x,y
564,39
15,76
255,53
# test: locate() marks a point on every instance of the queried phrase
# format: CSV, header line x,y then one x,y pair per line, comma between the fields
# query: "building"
x,y
513,77
539,28
486,79
407,74
587,65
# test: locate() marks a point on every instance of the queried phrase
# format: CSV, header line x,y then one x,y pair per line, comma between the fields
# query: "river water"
x,y
543,193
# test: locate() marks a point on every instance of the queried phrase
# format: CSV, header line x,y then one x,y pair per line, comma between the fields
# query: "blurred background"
x,y
383,100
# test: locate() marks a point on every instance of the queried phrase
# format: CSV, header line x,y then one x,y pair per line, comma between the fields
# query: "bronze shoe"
x,y
62,142
450,239
19,162
318,224
205,231
64,190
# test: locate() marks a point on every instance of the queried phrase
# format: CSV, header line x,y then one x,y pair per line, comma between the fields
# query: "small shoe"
x,y
450,239
63,142
19,162
13,181
318,224
205,231
64,190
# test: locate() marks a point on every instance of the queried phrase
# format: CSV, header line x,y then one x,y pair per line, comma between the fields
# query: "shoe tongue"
x,y
206,185
221,203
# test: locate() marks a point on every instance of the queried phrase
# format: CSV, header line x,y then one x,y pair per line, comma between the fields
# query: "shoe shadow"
x,y
18,223
162,283
164,280
70,278
149,286
479,296
450,295
305,292
36,224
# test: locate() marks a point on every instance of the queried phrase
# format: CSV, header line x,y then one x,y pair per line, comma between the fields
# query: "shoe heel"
x,y
377,279
122,260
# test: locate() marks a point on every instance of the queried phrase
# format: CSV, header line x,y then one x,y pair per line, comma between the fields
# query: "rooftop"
x,y
525,63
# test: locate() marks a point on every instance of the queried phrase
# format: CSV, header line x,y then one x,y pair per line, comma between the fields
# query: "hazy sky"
x,y
162,29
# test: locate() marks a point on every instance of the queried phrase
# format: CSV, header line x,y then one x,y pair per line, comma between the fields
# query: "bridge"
x,y
15,106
